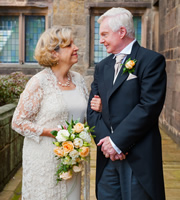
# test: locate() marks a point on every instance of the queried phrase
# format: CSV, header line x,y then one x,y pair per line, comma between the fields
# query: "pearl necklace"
x,y
67,84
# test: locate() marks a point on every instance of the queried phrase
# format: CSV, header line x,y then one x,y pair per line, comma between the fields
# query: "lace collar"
x,y
49,71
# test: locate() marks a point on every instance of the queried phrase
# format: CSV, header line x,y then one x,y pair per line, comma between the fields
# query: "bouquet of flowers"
x,y
72,147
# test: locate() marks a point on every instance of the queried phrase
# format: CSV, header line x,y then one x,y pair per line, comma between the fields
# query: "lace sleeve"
x,y
85,93
85,90
25,114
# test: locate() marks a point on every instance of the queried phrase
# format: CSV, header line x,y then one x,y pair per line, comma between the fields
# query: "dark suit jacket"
x,y
132,108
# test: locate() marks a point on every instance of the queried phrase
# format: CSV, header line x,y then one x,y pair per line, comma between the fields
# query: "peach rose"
x,y
66,175
77,168
84,151
78,127
59,151
130,64
68,146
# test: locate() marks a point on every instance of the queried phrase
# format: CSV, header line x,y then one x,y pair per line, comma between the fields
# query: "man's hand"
x,y
109,151
107,148
117,156
120,156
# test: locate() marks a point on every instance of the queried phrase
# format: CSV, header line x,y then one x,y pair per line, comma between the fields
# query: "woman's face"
x,y
68,55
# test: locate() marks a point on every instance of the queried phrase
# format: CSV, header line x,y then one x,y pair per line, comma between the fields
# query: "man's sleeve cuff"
x,y
115,147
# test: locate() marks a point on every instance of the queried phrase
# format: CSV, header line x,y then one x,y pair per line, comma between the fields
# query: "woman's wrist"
x,y
47,132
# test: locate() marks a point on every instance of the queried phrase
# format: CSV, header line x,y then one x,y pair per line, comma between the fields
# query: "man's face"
x,y
111,40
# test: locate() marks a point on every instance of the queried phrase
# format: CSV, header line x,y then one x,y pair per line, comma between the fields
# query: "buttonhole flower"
x,y
129,66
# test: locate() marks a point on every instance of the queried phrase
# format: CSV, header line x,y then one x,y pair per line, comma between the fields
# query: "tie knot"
x,y
120,57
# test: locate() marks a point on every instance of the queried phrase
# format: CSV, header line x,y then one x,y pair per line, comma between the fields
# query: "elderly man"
x,y
126,99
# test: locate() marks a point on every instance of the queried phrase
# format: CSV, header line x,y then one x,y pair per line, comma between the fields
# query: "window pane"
x,y
100,50
137,27
35,25
9,39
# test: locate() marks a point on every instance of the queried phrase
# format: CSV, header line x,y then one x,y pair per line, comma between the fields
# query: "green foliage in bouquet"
x,y
11,86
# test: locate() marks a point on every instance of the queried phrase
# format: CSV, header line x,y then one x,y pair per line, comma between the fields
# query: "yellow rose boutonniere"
x,y
129,66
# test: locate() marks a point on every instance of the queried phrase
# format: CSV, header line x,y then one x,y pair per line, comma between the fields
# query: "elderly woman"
x,y
50,98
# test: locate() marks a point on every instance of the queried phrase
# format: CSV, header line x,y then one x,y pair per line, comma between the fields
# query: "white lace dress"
x,y
44,105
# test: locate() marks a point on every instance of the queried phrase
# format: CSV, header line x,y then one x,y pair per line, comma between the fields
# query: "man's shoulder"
x,y
106,60
145,52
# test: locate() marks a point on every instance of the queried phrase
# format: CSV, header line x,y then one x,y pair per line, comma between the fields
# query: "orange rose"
x,y
59,151
130,64
67,146
84,151
78,127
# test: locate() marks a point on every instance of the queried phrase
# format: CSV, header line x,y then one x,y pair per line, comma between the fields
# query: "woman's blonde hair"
x,y
52,40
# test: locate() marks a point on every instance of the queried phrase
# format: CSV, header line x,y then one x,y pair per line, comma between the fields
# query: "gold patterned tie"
x,y
118,65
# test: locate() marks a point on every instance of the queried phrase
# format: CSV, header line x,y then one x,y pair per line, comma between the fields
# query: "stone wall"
x,y
169,46
72,14
10,146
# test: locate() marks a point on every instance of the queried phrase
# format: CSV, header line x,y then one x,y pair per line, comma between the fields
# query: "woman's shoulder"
x,y
37,78
41,73
76,76
75,73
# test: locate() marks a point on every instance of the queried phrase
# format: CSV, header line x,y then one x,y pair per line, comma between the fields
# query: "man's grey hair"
x,y
119,17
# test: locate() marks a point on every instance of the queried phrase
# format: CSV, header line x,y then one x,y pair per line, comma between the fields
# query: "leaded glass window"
x,y
137,27
34,26
9,39
16,43
100,50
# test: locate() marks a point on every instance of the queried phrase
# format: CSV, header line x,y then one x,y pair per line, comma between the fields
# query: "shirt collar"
x,y
127,50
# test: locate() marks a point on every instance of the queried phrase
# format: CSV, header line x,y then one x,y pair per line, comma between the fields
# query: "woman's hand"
x,y
47,132
96,103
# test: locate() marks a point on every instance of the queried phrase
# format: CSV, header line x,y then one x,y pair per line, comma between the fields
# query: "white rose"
x,y
73,161
77,168
74,154
72,136
85,136
78,142
67,161
62,135
66,175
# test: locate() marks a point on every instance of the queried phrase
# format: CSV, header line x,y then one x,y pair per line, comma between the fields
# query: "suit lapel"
x,y
122,77
109,74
